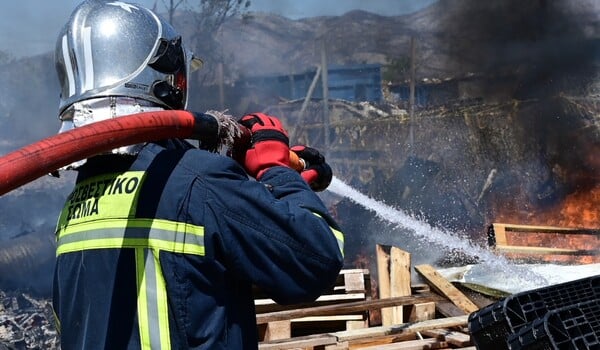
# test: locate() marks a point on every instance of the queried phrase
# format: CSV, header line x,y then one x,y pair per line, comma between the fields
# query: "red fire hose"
x,y
45,156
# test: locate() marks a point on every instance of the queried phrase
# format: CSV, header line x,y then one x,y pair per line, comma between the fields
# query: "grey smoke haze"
x,y
30,27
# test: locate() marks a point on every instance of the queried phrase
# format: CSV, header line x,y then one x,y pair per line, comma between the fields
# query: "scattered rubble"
x,y
26,323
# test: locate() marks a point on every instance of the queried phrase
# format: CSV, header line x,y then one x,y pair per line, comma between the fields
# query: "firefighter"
x,y
159,244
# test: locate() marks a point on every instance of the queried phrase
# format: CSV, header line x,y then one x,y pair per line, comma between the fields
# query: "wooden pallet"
x,y
529,243
442,333
419,328
281,321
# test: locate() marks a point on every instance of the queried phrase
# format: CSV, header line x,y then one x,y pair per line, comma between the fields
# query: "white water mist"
x,y
522,278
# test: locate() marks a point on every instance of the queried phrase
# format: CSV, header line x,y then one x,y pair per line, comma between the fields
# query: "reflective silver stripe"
x,y
88,76
68,66
132,233
152,304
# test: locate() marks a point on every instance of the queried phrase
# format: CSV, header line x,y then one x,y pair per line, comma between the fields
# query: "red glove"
x,y
316,172
269,145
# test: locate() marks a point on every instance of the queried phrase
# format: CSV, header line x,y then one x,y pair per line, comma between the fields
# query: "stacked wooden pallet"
x,y
409,316
279,322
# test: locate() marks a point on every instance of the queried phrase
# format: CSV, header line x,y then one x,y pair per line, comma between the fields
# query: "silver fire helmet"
x,y
114,48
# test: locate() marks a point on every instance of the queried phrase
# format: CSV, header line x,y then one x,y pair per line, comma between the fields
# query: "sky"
x,y
30,27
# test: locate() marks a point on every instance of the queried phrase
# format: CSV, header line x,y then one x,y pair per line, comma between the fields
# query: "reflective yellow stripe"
x,y
156,234
130,243
340,239
339,236
142,301
148,237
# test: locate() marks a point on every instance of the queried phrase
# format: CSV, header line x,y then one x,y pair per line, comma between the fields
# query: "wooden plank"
x,y
338,346
446,288
421,312
544,250
278,330
354,271
309,342
358,324
500,234
380,340
322,298
348,281
548,229
269,305
383,279
411,345
354,282
406,328
345,308
399,280
452,337
448,309
420,288
329,318
358,281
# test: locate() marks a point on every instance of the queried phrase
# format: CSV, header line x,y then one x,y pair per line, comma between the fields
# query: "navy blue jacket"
x,y
160,251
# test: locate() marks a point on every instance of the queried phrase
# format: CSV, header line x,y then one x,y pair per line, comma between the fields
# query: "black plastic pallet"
x,y
572,327
491,326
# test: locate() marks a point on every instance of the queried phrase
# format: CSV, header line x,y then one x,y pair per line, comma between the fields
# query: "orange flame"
x,y
581,209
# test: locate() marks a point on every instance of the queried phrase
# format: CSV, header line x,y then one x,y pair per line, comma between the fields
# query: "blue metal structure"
x,y
357,82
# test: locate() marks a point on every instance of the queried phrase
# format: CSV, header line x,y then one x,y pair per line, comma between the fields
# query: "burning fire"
x,y
578,210
581,209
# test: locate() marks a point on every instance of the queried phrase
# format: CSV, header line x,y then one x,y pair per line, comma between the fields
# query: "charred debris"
x,y
26,323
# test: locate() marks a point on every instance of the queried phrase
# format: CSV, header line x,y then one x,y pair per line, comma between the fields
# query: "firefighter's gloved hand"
x,y
269,145
316,172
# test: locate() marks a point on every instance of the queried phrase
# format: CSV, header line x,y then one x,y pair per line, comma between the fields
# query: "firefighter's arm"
x,y
278,234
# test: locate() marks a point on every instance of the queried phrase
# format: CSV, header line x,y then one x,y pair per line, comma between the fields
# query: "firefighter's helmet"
x,y
118,49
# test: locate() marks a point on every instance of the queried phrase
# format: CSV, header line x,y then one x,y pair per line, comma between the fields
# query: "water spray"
x,y
494,264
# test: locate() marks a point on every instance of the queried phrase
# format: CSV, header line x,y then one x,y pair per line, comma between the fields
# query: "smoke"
x,y
27,221
550,50
542,41
28,113
546,47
